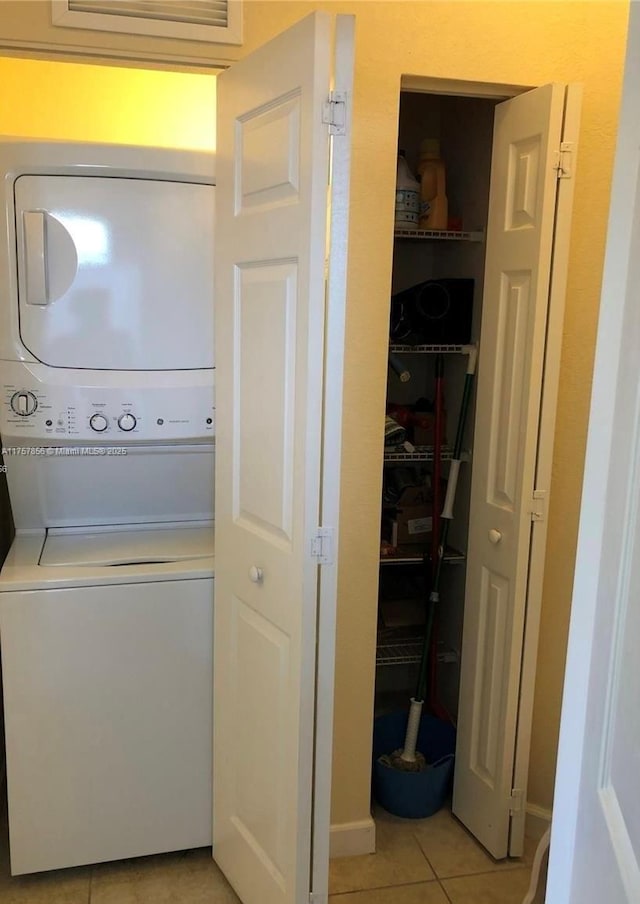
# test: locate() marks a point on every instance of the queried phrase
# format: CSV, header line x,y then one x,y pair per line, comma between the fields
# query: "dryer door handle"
x,y
35,240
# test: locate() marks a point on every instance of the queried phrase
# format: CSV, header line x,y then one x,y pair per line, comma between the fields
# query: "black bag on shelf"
x,y
435,312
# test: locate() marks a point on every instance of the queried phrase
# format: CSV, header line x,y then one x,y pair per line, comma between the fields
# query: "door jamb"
x,y
419,84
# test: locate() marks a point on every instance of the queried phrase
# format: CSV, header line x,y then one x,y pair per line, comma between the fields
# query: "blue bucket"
x,y
413,795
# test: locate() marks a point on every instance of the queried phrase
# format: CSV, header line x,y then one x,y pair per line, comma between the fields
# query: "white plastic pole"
x,y
413,726
454,470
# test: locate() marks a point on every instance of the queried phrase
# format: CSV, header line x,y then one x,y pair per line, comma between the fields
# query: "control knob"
x,y
98,422
23,403
127,422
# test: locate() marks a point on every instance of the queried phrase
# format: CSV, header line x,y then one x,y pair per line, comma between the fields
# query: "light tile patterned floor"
x,y
428,861
189,877
431,861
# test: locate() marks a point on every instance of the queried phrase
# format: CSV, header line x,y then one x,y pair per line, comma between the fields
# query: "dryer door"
x,y
115,274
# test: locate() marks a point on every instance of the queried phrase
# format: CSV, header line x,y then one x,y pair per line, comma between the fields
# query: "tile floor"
x,y
428,861
431,861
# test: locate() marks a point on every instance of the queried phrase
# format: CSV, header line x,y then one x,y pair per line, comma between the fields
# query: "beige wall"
x,y
82,102
527,43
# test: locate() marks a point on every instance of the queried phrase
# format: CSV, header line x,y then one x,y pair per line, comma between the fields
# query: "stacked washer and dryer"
x,y
108,423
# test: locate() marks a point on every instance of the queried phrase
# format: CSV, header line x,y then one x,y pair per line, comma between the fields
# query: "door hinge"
x,y
322,546
539,505
334,112
563,160
515,801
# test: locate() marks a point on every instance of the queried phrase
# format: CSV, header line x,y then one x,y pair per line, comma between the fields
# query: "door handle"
x,y
35,239
494,536
256,574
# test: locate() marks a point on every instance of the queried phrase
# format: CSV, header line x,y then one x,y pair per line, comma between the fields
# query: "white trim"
x,y
351,839
537,821
62,16
546,436
426,85
80,53
602,442
344,46
538,868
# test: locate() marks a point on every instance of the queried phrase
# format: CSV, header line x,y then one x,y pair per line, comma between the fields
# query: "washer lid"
x,y
126,546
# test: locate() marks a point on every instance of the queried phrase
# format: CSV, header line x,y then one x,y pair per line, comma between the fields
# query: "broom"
x,y
408,759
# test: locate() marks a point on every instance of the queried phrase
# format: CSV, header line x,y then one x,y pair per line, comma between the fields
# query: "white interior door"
x,y
528,131
273,160
595,837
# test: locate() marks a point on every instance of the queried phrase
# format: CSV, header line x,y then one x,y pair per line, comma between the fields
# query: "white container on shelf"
x,y
407,196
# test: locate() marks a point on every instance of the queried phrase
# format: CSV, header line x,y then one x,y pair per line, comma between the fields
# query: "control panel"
x,y
58,413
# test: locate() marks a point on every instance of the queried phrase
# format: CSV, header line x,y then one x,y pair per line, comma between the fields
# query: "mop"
x,y
408,759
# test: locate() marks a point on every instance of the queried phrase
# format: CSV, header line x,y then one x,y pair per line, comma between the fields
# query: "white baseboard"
x,y
349,839
537,821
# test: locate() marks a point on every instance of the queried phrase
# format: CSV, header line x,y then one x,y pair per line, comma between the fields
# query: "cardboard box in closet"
x,y
414,517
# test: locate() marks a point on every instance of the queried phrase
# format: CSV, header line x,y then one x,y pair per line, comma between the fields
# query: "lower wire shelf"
x,y
404,647
399,651
411,555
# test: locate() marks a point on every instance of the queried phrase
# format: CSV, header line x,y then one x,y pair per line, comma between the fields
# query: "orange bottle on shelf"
x,y
434,207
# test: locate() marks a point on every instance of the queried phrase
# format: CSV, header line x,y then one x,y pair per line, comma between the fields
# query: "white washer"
x,y
107,417
106,646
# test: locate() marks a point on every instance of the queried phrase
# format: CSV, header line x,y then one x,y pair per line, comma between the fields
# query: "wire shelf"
x,y
411,555
399,652
406,650
431,349
420,453
430,235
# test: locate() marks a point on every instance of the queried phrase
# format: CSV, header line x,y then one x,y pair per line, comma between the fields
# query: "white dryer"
x,y
107,419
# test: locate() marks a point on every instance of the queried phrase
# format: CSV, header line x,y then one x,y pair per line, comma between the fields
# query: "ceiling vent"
x,y
213,21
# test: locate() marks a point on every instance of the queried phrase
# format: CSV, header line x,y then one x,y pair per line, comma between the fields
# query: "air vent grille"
x,y
188,12
209,21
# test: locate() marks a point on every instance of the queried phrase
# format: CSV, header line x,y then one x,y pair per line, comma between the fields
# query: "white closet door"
x,y
595,838
514,316
273,161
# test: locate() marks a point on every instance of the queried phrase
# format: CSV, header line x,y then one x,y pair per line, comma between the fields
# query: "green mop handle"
x,y
447,516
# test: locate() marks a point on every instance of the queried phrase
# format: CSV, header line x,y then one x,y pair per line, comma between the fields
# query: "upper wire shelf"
x,y
420,453
439,234
442,349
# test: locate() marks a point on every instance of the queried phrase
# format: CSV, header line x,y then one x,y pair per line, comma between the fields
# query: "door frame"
x,y
591,578
546,423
